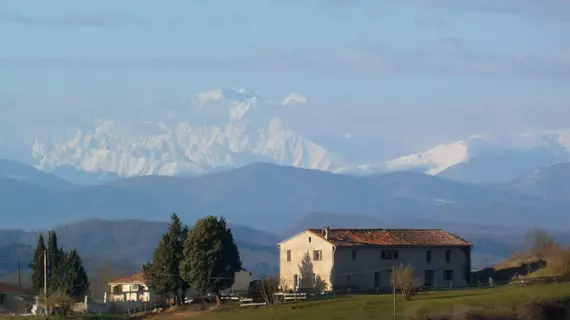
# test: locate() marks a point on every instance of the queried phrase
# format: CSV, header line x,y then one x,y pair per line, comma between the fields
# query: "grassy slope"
x,y
380,307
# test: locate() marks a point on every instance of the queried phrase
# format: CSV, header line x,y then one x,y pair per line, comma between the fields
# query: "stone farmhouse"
x,y
362,259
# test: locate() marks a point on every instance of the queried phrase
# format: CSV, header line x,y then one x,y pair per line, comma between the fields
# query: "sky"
x,y
413,72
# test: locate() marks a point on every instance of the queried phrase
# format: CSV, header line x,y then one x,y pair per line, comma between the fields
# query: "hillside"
x,y
128,244
27,174
537,302
266,196
548,182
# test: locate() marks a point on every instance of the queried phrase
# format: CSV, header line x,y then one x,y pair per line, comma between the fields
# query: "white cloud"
x,y
446,57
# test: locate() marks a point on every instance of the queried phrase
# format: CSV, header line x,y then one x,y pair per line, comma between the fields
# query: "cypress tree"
x,y
37,264
211,257
177,234
55,256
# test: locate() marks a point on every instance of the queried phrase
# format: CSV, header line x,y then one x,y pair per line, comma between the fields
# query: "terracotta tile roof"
x,y
134,278
391,237
8,288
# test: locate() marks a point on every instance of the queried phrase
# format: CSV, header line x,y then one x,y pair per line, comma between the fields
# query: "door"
x,y
428,278
376,279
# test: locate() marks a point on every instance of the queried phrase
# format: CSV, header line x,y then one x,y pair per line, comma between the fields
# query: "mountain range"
x,y
108,181
266,203
223,129
268,196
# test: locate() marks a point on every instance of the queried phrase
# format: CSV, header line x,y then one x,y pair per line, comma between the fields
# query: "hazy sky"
x,y
411,71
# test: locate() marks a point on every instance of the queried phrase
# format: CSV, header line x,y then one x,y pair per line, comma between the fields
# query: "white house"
x,y
134,288
130,288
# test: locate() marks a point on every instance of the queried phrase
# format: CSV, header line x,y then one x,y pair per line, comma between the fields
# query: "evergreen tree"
x,y
70,277
211,257
177,234
55,256
163,272
37,264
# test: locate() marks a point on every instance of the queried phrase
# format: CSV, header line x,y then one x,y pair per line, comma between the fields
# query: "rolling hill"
x,y
106,221
268,197
550,183
128,244
27,174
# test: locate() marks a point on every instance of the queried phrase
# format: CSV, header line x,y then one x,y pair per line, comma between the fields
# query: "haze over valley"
x,y
281,116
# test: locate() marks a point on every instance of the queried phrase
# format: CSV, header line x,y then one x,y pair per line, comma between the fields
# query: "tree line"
x,y
204,258
65,274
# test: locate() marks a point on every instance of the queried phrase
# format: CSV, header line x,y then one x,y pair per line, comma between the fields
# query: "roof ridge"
x,y
386,229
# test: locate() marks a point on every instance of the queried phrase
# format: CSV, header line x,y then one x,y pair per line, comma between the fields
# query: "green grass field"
x,y
381,306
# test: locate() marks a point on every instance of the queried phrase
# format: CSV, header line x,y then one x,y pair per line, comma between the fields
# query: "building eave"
x,y
300,233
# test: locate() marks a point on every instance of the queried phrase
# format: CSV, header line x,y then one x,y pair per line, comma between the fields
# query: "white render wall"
x,y
299,246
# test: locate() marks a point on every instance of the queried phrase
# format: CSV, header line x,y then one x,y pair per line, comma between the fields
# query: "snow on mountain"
x,y
435,160
432,161
480,156
227,128
294,99
218,129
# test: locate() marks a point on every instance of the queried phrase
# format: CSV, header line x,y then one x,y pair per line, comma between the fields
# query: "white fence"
x,y
250,302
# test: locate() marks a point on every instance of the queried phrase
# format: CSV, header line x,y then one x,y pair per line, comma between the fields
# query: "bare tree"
x,y
540,244
559,261
403,280
59,303
105,273
269,289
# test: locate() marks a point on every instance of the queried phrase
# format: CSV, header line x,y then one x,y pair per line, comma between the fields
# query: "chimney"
x,y
326,232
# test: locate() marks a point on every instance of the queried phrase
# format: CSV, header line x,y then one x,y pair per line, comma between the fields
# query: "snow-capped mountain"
x,y
480,158
228,128
217,129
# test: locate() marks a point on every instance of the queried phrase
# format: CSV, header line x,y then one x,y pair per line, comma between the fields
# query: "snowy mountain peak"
x,y
222,128
436,159
235,95
294,99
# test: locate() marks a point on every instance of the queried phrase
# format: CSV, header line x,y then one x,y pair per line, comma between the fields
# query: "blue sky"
x,y
412,71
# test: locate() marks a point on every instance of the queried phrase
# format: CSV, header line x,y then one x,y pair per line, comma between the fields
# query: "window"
x,y
428,256
448,275
288,255
353,254
448,255
309,239
428,278
389,254
317,255
347,278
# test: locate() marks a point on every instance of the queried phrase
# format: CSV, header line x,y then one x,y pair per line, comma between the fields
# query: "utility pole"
x,y
19,273
45,281
394,289
19,276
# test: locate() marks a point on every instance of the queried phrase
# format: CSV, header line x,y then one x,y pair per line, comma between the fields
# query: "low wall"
x,y
100,307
